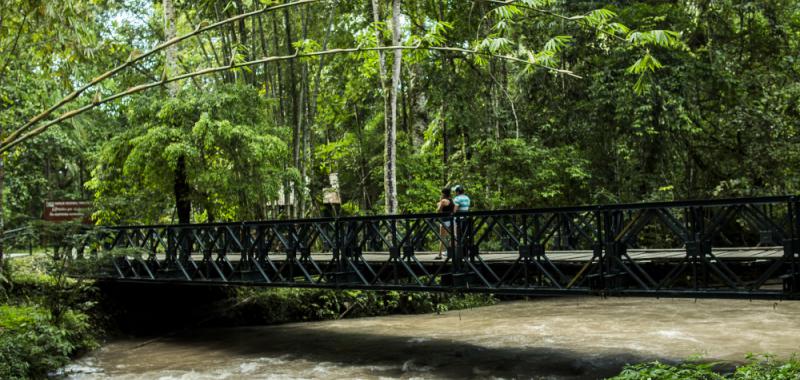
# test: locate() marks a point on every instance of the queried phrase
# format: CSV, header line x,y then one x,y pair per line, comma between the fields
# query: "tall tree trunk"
x,y
226,49
312,103
282,108
252,52
366,204
171,52
81,178
279,72
292,82
262,38
233,45
318,78
302,125
182,201
445,141
2,203
390,180
406,116
213,51
240,8
376,17
389,108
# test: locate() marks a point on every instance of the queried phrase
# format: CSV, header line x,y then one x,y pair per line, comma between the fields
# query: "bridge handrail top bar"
x,y
502,212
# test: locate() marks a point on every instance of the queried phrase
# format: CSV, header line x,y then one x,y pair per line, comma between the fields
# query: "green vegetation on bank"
x,y
260,306
756,368
44,319
34,342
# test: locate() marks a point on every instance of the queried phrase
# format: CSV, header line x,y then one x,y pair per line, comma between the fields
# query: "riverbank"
x,y
44,318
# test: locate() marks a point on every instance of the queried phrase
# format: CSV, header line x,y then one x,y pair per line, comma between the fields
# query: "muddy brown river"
x,y
576,338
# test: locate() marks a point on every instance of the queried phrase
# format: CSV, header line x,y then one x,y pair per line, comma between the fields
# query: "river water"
x,y
575,338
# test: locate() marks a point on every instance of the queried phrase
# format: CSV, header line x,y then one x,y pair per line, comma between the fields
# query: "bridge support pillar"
x,y
791,284
791,254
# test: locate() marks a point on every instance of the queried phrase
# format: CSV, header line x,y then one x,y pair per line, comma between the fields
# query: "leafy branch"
x,y
599,20
134,58
7,145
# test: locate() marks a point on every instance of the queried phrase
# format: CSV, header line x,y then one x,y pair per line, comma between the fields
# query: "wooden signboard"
x,y
63,211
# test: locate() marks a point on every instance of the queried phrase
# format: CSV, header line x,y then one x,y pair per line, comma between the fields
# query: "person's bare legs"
x,y
444,233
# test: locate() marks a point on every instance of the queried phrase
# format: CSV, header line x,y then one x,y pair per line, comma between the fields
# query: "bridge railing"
x,y
721,248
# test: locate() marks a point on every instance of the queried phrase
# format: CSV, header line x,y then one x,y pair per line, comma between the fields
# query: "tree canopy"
x,y
525,103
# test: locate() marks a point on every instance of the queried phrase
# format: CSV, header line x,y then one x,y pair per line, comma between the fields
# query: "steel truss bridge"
x,y
731,248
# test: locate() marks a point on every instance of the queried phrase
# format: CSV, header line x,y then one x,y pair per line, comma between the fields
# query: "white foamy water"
x,y
584,338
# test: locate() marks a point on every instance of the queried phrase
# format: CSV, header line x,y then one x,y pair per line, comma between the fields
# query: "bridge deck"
x,y
564,256
640,255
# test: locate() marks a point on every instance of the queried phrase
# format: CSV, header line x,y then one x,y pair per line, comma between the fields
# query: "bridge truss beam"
x,y
735,248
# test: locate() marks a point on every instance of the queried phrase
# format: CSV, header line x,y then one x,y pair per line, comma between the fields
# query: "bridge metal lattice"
x,y
735,248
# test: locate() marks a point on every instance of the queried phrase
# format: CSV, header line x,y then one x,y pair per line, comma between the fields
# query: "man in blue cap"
x,y
461,200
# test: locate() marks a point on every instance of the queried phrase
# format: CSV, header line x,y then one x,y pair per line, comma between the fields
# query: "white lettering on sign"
x,y
60,211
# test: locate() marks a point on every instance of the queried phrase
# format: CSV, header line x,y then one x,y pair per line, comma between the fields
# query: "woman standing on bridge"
x,y
445,206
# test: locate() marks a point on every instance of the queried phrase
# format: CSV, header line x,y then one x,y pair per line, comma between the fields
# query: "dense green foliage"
x,y
43,319
259,306
681,99
33,343
232,154
756,368
46,49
